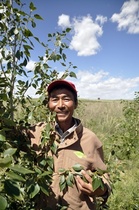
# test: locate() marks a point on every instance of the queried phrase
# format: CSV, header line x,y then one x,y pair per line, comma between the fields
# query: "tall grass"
x,y
102,117
105,118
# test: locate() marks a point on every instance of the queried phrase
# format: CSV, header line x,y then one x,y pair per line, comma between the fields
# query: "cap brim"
x,y
57,83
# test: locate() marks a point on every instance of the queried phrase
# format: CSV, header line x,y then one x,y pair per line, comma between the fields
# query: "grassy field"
x,y
104,118
100,116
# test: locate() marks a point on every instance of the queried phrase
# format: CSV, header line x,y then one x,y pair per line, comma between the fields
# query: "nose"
x,y
60,103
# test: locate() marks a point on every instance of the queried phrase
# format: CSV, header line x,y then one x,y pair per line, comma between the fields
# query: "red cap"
x,y
57,83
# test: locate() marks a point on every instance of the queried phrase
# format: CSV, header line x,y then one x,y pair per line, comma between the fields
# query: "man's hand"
x,y
86,187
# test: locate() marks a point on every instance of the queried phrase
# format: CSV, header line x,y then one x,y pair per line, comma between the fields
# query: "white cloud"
x,y
101,19
102,85
64,21
84,34
96,77
128,18
30,65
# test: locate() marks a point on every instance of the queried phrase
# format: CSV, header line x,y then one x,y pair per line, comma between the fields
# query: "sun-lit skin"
x,y
61,101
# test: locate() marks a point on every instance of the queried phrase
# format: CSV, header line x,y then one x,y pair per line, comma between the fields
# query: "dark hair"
x,y
66,87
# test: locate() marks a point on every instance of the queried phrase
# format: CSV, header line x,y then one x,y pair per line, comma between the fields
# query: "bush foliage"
x,y
25,176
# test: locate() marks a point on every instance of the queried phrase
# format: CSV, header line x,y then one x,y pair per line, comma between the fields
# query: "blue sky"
x,y
104,44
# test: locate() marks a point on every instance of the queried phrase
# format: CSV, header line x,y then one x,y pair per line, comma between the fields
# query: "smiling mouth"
x,y
61,113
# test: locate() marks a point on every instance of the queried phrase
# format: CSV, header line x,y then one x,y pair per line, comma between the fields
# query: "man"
x,y
62,100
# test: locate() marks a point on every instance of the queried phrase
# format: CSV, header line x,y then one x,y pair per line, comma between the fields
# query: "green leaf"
x,y
54,148
32,7
38,17
11,31
101,184
70,180
63,186
3,203
27,33
4,96
62,183
49,35
60,50
9,152
77,167
13,189
68,30
45,174
63,64
9,122
64,208
64,56
101,172
50,162
9,65
72,74
30,116
21,169
15,176
79,154
69,183
97,182
37,39
2,135
62,179
3,83
5,162
44,187
27,47
33,24
71,176
24,62
61,170
33,190
37,170
17,55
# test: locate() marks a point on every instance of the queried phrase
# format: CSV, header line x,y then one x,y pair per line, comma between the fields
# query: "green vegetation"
x,y
24,176
109,112
116,123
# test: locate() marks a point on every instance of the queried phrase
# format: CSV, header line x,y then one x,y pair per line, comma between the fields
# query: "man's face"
x,y
61,101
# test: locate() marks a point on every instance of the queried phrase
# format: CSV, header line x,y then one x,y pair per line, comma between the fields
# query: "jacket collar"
x,y
73,136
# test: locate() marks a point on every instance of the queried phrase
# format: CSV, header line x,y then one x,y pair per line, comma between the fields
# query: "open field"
x,y
105,118
100,116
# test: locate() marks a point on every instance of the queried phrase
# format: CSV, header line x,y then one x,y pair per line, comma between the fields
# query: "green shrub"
x,y
24,175
123,161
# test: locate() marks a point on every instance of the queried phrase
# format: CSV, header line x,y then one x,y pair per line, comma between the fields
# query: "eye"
x,y
67,99
54,99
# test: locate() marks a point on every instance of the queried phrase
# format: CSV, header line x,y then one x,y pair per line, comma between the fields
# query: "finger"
x,y
87,177
83,186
